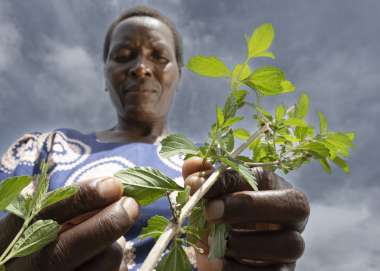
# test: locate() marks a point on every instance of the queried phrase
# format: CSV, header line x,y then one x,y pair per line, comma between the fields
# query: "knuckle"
x,y
302,207
297,245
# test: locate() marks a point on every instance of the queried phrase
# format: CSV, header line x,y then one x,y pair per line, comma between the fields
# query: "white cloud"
x,y
342,236
10,39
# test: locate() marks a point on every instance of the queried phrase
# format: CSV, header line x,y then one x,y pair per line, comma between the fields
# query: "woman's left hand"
x,y
266,224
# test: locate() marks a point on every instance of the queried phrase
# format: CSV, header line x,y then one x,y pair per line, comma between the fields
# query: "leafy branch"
x,y
34,234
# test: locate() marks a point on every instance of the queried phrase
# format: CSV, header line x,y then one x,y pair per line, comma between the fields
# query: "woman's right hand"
x,y
92,221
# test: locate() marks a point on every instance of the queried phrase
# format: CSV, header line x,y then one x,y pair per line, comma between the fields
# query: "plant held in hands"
x,y
283,141
34,234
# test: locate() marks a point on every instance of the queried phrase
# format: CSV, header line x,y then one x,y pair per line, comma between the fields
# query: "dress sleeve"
x,y
23,156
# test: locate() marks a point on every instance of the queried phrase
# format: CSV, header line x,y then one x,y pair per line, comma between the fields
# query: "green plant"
x,y
283,141
34,234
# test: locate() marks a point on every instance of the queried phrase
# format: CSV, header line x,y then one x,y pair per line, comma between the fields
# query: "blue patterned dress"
x,y
77,157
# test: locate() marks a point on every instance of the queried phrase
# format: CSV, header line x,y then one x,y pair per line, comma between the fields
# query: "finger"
x,y
231,181
287,207
193,165
92,195
277,246
108,260
9,226
81,243
230,265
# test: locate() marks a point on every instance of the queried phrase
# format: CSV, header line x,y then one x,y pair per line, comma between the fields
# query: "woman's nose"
x,y
140,70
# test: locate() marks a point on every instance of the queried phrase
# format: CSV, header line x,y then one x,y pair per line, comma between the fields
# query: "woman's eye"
x,y
160,58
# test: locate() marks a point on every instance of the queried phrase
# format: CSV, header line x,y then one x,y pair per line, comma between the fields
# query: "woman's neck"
x,y
134,131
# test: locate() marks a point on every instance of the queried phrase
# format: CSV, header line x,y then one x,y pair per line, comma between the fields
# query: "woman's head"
x,y
142,60
148,12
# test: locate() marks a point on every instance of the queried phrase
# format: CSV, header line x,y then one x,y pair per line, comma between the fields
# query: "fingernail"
x,y
132,208
109,188
215,210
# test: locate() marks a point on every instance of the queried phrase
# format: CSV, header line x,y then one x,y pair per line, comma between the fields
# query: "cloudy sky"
x,y
51,76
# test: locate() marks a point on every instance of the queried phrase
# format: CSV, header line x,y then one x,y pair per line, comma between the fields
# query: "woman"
x,y
142,68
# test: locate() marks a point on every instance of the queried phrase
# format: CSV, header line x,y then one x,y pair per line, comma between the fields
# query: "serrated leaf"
x,y
244,171
35,237
342,164
231,121
228,141
176,144
10,188
155,227
209,66
59,194
230,107
341,142
176,259
219,233
295,122
241,133
197,222
219,116
269,81
323,125
20,206
280,112
260,40
146,184
302,106
325,165
290,138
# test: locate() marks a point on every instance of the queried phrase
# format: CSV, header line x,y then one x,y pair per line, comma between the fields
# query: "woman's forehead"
x,y
142,27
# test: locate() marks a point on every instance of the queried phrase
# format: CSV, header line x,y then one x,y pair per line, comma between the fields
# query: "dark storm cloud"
x,y
51,76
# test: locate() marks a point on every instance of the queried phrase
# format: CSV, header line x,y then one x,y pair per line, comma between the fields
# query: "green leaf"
x,y
10,188
146,184
183,197
35,237
266,54
209,66
59,194
350,135
295,122
228,141
42,188
231,121
243,69
239,96
156,226
268,81
230,107
315,148
323,126
219,116
219,233
264,112
290,138
176,144
20,206
176,259
241,133
197,222
260,40
244,171
280,112
302,106
325,165
342,164
341,142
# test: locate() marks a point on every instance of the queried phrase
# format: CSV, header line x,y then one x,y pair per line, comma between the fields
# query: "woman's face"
x,y
141,70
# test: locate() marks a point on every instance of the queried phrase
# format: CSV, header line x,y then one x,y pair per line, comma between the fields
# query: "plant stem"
x,y
5,257
174,228
274,163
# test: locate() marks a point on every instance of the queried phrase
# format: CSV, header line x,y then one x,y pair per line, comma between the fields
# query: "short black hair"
x,y
149,12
